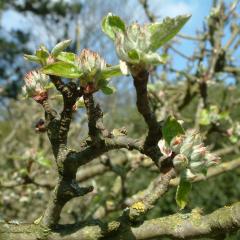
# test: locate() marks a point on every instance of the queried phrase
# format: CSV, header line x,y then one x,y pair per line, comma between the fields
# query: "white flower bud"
x,y
186,148
180,162
123,67
90,63
36,85
190,176
197,167
164,148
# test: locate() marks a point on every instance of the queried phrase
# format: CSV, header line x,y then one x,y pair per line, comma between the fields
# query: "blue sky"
x,y
199,9
162,8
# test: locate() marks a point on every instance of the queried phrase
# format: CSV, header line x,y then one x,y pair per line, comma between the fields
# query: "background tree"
x,y
211,74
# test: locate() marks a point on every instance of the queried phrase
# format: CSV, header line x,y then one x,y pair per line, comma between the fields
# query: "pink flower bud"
x,y
176,143
36,85
164,148
198,152
211,159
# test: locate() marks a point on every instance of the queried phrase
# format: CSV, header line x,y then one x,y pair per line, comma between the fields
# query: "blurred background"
x,y
199,85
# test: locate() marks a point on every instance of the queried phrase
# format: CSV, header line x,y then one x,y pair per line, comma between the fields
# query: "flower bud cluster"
x,y
91,64
190,153
36,86
131,45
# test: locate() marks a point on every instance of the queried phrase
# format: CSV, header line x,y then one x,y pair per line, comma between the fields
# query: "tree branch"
x,y
146,202
178,226
140,78
212,172
95,115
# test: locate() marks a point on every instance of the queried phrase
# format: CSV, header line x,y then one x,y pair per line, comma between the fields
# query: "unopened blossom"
x,y
190,154
136,38
91,64
36,85
180,162
199,151
176,143
164,148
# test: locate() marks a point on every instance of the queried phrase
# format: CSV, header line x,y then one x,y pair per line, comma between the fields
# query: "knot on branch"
x,y
71,189
40,126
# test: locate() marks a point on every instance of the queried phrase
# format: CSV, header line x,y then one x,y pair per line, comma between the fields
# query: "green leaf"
x,y
166,30
43,161
182,193
154,59
42,53
109,72
112,24
171,129
133,54
102,83
80,103
60,47
66,57
62,69
233,139
204,117
224,115
108,90
32,58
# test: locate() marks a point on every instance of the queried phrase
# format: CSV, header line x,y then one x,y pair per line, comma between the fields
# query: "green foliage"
x,y
43,160
32,58
212,115
89,67
162,32
111,25
108,90
63,69
171,129
60,47
67,57
137,44
182,193
109,72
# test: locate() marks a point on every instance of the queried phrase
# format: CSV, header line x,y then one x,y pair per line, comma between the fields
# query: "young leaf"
x,y
133,54
80,103
32,58
60,47
204,117
43,161
112,71
171,129
182,193
42,53
112,24
166,30
154,59
66,57
62,69
108,90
